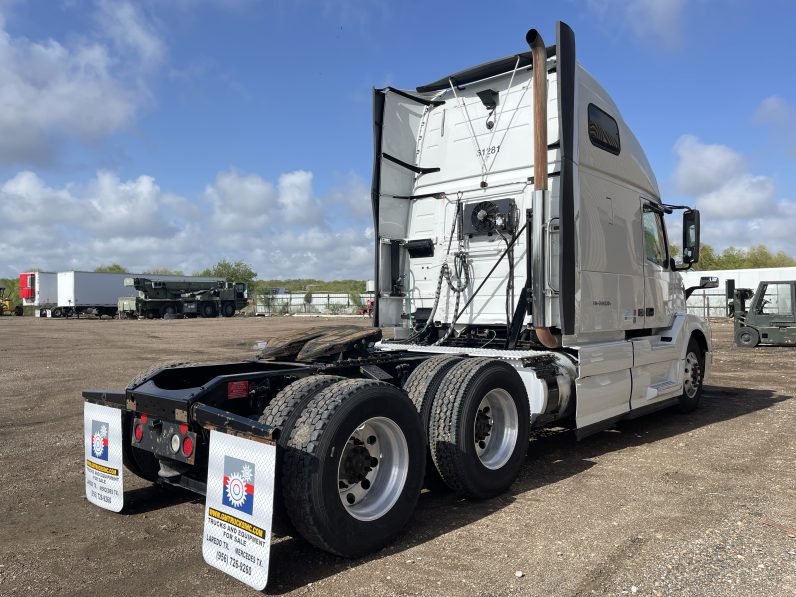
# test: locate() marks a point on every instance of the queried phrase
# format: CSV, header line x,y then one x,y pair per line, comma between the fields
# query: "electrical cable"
x,y
480,286
444,274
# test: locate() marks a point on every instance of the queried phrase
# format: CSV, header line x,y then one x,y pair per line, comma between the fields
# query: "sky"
x,y
174,133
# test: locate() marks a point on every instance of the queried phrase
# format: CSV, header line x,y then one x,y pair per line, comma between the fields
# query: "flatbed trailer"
x,y
522,262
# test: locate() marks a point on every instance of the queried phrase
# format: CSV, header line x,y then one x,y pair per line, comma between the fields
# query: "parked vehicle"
x,y
98,293
7,306
522,261
164,298
39,290
770,317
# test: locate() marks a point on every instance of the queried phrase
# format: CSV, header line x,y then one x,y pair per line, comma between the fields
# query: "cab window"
x,y
654,237
777,300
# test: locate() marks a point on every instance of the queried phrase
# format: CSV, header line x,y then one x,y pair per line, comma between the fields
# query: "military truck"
x,y
770,317
522,261
189,298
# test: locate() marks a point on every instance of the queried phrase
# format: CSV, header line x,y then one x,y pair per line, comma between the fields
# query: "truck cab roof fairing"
x,y
483,71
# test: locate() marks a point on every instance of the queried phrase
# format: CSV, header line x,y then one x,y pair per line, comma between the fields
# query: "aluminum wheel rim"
x,y
369,492
693,375
496,428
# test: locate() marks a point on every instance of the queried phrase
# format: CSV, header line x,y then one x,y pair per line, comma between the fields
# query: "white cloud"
x,y
775,110
351,196
124,25
743,196
282,230
295,198
780,116
704,167
83,90
738,207
659,22
240,202
247,202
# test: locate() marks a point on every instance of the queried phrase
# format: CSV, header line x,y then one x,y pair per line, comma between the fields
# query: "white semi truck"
x,y
522,260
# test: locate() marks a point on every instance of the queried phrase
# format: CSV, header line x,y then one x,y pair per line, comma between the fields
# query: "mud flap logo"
x,y
99,439
240,493
103,456
238,484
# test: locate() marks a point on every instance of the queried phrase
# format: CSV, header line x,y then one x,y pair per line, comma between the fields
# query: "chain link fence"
x,y
710,303
315,303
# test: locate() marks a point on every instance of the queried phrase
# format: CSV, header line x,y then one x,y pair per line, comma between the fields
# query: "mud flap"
x,y
239,506
102,439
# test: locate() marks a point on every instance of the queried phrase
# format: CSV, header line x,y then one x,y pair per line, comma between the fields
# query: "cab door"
x,y
657,309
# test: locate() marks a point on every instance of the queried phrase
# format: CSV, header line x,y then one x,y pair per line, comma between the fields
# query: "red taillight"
x,y
187,446
138,431
183,429
143,419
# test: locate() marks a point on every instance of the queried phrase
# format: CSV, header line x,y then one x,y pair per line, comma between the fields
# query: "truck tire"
x,y
694,374
228,309
169,310
747,338
209,310
353,467
422,387
57,312
282,413
480,427
150,314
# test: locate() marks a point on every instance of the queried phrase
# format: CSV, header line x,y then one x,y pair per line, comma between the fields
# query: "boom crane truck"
x,y
190,298
522,259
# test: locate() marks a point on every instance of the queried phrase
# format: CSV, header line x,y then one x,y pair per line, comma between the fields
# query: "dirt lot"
x,y
669,504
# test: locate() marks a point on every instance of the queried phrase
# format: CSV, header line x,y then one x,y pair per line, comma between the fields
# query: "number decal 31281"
x,y
488,151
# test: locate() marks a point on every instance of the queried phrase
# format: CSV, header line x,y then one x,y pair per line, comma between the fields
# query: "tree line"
x,y
734,258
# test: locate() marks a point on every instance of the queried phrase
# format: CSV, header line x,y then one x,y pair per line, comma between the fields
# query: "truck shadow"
x,y
154,497
553,455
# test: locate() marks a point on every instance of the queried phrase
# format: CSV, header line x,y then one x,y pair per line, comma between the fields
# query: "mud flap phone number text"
x,y
224,557
103,497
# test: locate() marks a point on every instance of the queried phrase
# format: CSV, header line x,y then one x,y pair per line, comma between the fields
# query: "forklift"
x,y
770,318
7,306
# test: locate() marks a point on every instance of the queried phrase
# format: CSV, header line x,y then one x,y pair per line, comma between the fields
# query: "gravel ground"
x,y
698,504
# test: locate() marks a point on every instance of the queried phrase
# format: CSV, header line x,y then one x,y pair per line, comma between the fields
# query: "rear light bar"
x,y
164,438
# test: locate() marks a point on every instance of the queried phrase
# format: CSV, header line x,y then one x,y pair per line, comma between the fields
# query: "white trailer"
x,y
523,261
99,292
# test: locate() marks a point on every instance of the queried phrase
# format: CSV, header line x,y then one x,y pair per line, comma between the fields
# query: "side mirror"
x,y
708,282
690,236
704,282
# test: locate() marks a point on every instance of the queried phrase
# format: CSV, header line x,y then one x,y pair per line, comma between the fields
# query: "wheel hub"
x,y
483,425
357,462
495,428
373,468
693,375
